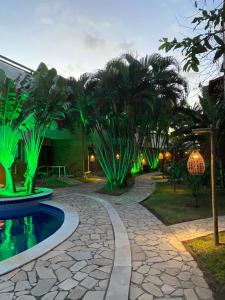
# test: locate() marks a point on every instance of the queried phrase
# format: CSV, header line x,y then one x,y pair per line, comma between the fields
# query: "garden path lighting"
x,y
167,155
160,156
196,163
144,162
92,158
117,156
211,132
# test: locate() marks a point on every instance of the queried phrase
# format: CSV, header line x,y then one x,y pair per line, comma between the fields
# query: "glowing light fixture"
x,y
196,163
160,156
144,162
167,155
117,156
92,158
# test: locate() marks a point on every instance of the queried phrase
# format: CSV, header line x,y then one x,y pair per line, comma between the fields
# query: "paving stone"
x,y
22,285
63,273
89,269
204,294
167,289
78,266
154,279
24,297
199,281
137,278
152,289
68,284
94,296
45,273
81,255
89,282
190,294
97,274
8,289
143,269
77,293
135,292
103,284
32,276
6,296
21,275
61,296
49,296
79,276
145,297
43,287
171,280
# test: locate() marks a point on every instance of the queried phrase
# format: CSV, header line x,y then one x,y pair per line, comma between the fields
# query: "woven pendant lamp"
x,y
196,163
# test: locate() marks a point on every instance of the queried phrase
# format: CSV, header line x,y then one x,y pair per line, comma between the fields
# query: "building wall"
x,y
69,152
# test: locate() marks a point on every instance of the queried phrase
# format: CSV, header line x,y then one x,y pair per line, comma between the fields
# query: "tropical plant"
x,y
114,149
11,104
47,101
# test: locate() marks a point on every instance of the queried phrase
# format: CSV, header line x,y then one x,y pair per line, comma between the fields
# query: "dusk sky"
x,y
77,36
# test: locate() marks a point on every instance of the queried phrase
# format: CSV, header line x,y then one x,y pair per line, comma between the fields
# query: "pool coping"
x,y
70,224
45,194
119,282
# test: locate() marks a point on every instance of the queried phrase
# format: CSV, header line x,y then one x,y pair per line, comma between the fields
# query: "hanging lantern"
x,y
196,163
92,158
167,155
160,156
144,162
117,156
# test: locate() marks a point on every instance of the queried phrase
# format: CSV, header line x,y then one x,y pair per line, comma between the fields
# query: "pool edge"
x,y
70,224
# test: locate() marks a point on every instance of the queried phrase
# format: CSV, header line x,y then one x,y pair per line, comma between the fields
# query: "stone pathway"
x,y
79,268
194,229
162,268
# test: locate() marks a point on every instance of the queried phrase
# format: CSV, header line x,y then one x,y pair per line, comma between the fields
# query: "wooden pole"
x,y
213,188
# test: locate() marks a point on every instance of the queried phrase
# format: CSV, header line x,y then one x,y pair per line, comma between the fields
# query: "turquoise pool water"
x,y
25,231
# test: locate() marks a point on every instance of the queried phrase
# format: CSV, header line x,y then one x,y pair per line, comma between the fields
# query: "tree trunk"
x,y
9,182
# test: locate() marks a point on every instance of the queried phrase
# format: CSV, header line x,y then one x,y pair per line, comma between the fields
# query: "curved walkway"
x,y
84,266
161,266
79,268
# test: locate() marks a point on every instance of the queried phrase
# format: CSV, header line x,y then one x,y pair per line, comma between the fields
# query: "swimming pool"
x,y
22,232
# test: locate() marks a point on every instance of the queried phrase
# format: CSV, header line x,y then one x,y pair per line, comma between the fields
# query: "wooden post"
x,y
213,188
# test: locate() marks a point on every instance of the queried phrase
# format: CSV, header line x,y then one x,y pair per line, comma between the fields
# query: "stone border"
x,y
70,224
119,282
46,193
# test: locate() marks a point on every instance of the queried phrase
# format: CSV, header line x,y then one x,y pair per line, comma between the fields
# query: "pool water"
x,y
20,233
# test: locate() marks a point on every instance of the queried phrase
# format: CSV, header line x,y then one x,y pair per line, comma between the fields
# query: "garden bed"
x,y
211,261
106,189
176,207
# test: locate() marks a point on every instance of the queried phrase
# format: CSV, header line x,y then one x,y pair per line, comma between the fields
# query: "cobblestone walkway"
x,y
194,229
162,268
78,268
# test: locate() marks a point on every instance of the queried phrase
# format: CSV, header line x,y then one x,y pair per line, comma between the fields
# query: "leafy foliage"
x,y
208,41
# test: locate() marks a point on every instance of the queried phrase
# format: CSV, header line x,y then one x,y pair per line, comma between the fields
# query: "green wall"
x,y
68,152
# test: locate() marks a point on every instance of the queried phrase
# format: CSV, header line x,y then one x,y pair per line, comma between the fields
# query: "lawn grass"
x,y
53,183
211,260
176,207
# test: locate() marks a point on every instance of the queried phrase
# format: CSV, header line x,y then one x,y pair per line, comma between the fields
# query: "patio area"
x,y
96,259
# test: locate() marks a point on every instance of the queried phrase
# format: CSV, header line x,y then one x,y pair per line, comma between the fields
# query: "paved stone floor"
x,y
162,268
80,267
194,229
